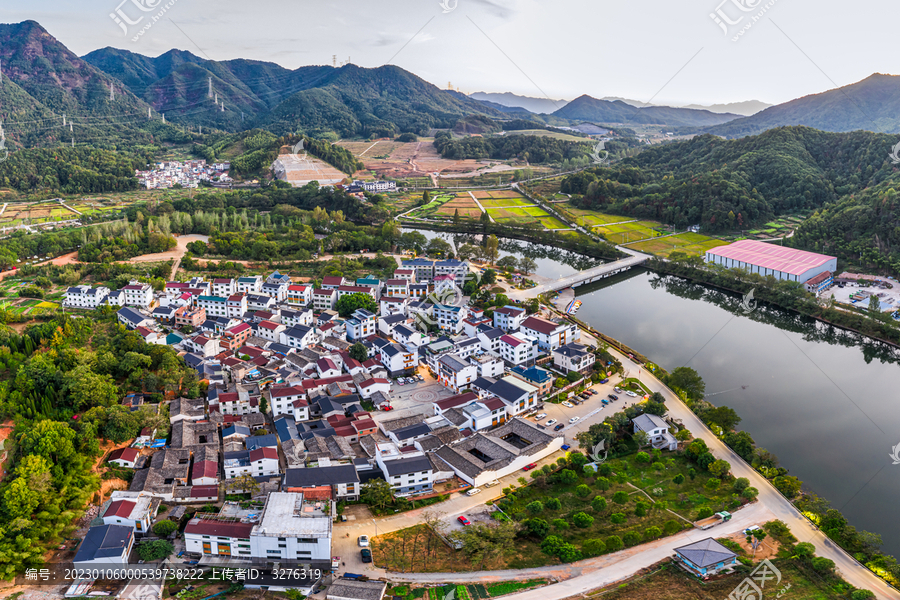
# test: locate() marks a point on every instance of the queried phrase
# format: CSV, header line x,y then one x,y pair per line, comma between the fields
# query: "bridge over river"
x,y
587,276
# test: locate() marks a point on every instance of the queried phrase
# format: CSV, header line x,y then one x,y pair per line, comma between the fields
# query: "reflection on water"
x,y
552,263
822,399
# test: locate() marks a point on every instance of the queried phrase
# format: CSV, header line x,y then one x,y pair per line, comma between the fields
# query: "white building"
x,y
299,336
573,357
269,331
264,461
292,531
450,318
135,511
550,335
361,325
223,287
138,294
283,398
408,474
324,299
517,349
509,318
85,296
299,295
249,285
657,429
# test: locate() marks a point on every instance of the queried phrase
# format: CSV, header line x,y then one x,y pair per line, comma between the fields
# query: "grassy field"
x,y
552,223
591,218
551,134
628,232
504,202
462,203
690,243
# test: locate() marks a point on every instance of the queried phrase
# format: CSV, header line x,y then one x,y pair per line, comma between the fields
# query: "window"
x,y
273,552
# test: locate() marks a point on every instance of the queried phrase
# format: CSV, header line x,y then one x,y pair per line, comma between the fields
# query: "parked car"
x,y
363,541
594,392
613,397
387,407
558,427
530,467
551,422
492,483
420,378
604,381
619,390
366,555
632,394
573,419
463,520
473,491
567,404
604,401
540,416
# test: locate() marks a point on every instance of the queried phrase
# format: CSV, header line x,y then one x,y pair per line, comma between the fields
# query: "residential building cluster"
x,y
293,419
188,174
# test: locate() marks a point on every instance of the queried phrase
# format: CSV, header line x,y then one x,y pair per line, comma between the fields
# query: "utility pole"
x,y
149,115
164,118
64,119
210,93
334,60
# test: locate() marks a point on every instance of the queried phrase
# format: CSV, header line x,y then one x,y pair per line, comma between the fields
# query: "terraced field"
x,y
505,202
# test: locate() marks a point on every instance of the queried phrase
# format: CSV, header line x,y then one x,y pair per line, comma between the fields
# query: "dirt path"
x,y
174,254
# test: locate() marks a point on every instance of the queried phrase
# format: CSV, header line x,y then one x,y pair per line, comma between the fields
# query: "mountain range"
x,y
43,81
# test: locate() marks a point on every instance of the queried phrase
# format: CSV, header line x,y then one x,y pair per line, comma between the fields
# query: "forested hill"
x,y
872,104
735,184
863,229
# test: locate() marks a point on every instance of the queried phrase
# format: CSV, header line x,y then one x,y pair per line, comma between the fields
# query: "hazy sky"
x,y
636,49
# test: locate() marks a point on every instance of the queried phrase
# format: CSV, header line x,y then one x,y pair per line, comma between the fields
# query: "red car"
x,y
463,520
530,467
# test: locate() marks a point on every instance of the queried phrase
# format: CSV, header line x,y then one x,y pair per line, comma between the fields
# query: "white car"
x,y
568,404
492,483
540,416
551,422
632,394
573,419
363,541
619,390
473,491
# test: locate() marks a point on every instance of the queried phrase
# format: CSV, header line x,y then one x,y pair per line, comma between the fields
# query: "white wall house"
x,y
85,296
138,294
550,335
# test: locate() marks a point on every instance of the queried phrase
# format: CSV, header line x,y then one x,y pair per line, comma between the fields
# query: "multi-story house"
x,y
290,318
340,481
135,511
397,287
260,302
193,318
457,268
408,475
450,318
223,287
361,325
456,373
393,305
397,359
423,267
407,274
509,318
138,294
549,334
573,357
324,299
85,296
333,282
278,291
249,285
269,331
214,306
281,400
346,290
264,461
517,349
299,295
237,305
299,336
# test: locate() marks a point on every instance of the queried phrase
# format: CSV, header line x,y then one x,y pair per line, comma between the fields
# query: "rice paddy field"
x,y
503,203
525,214
49,211
590,218
463,204
623,233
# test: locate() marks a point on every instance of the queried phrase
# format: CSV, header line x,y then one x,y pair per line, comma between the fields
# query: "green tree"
x,y
491,248
582,519
704,512
678,479
720,468
740,484
727,418
861,595
617,518
86,388
527,266
613,543
750,493
560,524
787,485
688,381
652,533
602,483
377,492
553,504
155,550
672,527
359,352
823,565
164,528
598,503
620,497
593,547
537,527
642,458
582,491
535,507
351,302
568,477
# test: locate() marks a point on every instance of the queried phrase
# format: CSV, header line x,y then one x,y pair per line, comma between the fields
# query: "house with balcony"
x,y
517,349
509,318
361,325
299,295
249,285
85,296
223,287
658,431
574,357
138,294
550,334
324,298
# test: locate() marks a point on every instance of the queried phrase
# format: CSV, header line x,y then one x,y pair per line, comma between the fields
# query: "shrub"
x,y
598,503
603,483
568,553
568,477
551,544
658,466
720,468
593,547
620,497
704,512
678,479
588,471
641,508
605,470
712,484
750,493
741,484
537,527
642,458
553,504
535,507
658,492
823,565
672,527
582,491
155,550
613,543
861,595
617,518
632,538
560,524
582,519
804,550
652,533
164,528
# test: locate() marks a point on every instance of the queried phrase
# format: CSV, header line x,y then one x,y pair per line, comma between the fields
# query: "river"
x,y
552,262
821,399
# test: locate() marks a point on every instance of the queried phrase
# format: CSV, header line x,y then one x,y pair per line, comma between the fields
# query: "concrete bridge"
x,y
582,277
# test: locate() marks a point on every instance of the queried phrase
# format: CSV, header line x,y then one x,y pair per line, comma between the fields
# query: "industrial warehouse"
x,y
768,259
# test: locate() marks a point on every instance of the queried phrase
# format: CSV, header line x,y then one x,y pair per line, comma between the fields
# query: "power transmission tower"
x,y
334,60
112,95
209,95
64,119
